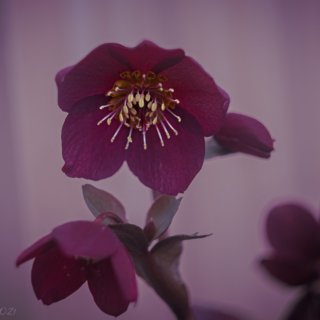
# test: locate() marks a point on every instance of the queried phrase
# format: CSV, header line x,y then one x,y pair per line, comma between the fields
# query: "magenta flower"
x,y
149,106
240,133
295,236
80,251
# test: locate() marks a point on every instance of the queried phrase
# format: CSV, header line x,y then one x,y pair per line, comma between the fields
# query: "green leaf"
x,y
162,212
100,201
214,149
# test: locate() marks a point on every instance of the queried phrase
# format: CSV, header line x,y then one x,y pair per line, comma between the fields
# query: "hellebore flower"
x,y
240,133
149,106
80,251
294,234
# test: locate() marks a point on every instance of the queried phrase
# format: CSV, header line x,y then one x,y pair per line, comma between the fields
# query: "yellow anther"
x,y
144,146
109,121
102,107
112,140
133,111
127,124
154,106
129,139
137,96
147,113
149,104
141,103
148,97
129,104
99,122
130,97
177,101
117,89
168,135
163,107
125,109
154,120
176,132
108,94
179,119
171,90
162,143
121,117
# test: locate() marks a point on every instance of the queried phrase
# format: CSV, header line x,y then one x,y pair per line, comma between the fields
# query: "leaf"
x,y
160,269
99,201
156,194
214,149
133,237
162,212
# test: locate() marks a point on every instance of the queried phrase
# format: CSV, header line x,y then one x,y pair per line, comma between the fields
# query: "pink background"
x,y
265,54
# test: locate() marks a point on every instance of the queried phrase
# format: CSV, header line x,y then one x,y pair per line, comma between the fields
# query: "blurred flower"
x,y
240,133
294,234
80,251
122,102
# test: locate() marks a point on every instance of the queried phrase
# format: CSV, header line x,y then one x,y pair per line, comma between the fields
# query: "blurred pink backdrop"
x,y
265,54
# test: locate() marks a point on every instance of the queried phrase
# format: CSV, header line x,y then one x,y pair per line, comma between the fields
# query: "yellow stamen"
x,y
154,106
148,97
141,103
125,109
163,107
154,120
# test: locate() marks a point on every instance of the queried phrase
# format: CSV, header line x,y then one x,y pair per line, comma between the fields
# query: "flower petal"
x,y
292,272
86,239
112,283
87,148
198,94
54,276
146,56
293,230
41,245
95,74
124,271
240,133
169,169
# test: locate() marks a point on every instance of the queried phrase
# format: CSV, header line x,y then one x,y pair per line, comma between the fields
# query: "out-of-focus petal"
x,y
292,229
169,169
87,148
146,56
106,289
290,271
198,94
240,133
54,276
86,239
41,245
93,75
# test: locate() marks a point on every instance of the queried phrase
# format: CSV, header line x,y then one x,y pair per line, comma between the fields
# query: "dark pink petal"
x,y
240,133
112,283
146,56
198,94
87,148
124,272
86,239
41,245
169,169
293,230
54,276
95,74
292,272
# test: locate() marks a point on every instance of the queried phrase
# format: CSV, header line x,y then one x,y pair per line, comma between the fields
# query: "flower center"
x,y
140,101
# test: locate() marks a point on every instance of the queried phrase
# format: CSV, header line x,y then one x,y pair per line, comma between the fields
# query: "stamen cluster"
x,y
140,101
